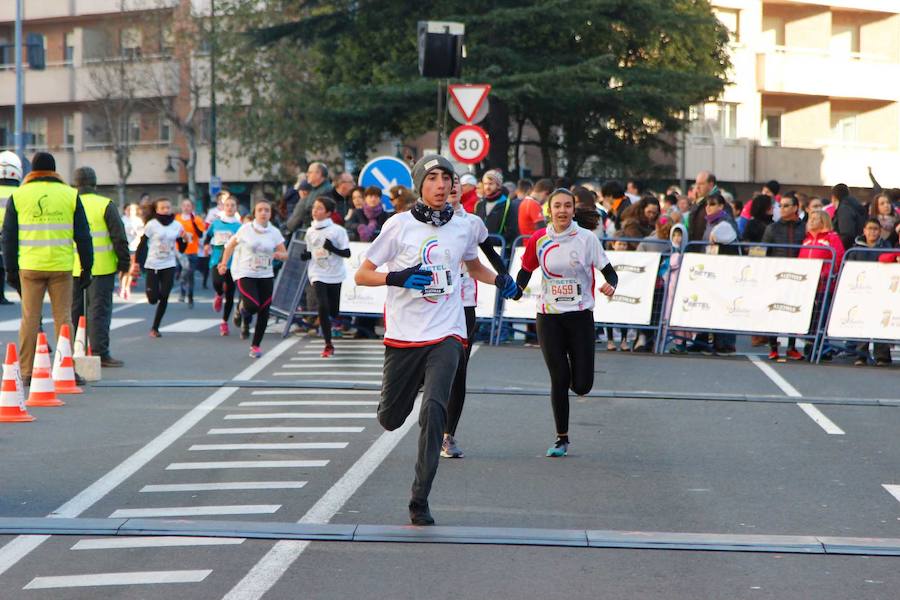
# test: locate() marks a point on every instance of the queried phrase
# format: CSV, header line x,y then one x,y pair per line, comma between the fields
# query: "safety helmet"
x,y
10,166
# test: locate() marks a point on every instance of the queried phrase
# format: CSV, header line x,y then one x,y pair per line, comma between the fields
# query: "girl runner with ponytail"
x,y
567,255
156,254
327,245
222,228
254,246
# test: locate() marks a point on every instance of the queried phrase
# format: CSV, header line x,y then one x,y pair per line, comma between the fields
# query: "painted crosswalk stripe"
x,y
224,485
314,392
893,490
273,446
311,403
247,464
300,415
10,325
132,578
118,543
195,511
370,378
246,430
342,360
190,326
335,370
343,352
118,323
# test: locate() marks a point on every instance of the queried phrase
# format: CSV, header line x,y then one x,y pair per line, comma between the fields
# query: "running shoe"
x,y
336,333
558,450
223,328
245,331
773,355
449,448
883,363
610,346
190,302
217,303
328,351
255,352
154,333
793,354
860,362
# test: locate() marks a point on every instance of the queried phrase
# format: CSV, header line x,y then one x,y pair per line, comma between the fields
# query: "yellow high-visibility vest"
x,y
105,261
46,213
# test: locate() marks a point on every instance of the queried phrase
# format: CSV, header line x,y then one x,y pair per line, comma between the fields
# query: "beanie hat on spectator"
x,y
468,179
494,176
43,161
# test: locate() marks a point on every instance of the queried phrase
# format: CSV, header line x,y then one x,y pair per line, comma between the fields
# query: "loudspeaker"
x,y
440,49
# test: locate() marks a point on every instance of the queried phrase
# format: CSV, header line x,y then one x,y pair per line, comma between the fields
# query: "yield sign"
x,y
469,97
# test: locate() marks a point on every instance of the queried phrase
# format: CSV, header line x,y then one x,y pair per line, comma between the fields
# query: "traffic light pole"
x,y
213,141
20,84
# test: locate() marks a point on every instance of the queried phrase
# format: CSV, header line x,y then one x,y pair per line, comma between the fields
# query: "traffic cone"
x,y
12,403
43,391
63,365
80,347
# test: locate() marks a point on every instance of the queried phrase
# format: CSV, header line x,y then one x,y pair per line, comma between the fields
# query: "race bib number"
x,y
260,261
441,281
220,238
320,253
562,293
164,251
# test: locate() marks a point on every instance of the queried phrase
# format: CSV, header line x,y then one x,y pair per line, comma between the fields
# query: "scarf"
x,y
426,214
553,235
256,227
226,219
715,217
165,220
367,231
326,222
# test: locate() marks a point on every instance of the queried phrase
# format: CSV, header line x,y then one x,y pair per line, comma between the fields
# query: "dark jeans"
x,y
431,369
96,303
881,352
186,276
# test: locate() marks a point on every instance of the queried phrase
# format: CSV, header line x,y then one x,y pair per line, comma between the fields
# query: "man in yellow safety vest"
x,y
43,217
110,257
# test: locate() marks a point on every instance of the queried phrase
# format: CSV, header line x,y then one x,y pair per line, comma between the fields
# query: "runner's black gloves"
x,y
413,278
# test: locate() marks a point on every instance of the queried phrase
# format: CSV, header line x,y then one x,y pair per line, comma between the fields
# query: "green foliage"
x,y
600,80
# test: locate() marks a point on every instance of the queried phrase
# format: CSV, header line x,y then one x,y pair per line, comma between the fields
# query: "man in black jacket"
x,y
849,215
499,212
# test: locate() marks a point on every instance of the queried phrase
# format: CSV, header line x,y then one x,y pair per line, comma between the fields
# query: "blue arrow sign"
x,y
385,172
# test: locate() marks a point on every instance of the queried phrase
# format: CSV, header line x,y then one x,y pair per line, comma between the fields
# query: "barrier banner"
x,y
866,303
632,304
485,295
745,293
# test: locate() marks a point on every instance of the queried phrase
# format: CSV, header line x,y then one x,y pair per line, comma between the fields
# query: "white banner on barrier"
x,y
745,293
486,295
632,303
867,302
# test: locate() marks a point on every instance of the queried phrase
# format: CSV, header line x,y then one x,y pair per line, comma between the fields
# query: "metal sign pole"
x,y
20,84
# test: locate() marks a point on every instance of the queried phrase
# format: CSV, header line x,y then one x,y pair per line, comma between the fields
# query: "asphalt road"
x,y
645,464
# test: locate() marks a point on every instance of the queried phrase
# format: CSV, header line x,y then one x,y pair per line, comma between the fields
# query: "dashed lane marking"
x,y
223,485
121,543
311,403
104,579
248,430
272,446
247,464
195,511
300,415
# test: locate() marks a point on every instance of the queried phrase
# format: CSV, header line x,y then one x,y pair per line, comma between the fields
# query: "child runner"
x,y
258,243
220,230
327,245
425,326
567,256
157,248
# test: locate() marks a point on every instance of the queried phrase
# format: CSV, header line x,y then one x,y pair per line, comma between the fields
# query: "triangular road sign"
x,y
469,97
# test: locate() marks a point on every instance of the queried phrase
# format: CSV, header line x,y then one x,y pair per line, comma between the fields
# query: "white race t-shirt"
x,y
325,266
254,250
468,286
161,246
567,261
412,318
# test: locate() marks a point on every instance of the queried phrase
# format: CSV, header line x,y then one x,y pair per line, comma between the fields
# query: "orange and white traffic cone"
x,y
12,398
63,365
80,347
43,391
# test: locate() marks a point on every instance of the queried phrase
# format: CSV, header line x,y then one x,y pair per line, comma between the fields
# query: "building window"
x,y
70,48
130,132
771,128
844,126
130,42
6,135
166,40
726,120
68,131
731,19
36,132
165,129
844,37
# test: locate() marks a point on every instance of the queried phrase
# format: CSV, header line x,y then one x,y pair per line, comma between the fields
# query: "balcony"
x,y
885,6
818,73
63,84
828,165
56,9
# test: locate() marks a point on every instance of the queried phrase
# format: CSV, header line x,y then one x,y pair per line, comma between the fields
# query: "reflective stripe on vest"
x,y
105,261
46,214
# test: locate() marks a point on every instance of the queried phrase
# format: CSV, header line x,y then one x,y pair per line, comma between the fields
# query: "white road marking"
x,y
314,392
343,353
276,562
227,485
274,446
893,490
124,305
300,415
342,361
118,543
326,381
811,411
310,403
22,545
195,511
133,578
334,370
10,325
190,326
119,323
247,464
245,430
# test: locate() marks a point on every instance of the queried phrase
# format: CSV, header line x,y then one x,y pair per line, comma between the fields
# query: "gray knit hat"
x,y
426,165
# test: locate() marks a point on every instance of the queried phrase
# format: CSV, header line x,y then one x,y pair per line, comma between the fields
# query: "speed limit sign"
x,y
469,144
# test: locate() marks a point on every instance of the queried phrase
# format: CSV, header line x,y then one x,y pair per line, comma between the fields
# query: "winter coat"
x,y
784,232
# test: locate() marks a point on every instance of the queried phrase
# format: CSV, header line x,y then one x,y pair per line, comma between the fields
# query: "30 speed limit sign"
x,y
469,144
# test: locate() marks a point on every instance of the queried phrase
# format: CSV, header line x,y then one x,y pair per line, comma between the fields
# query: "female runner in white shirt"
x,y
157,247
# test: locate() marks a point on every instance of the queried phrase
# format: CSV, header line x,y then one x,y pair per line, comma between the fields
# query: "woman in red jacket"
x,y
820,232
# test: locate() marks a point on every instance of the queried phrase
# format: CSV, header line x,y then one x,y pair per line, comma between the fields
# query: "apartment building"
x,y
86,43
813,99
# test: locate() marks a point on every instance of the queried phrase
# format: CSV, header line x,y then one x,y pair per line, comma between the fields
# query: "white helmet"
x,y
10,166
